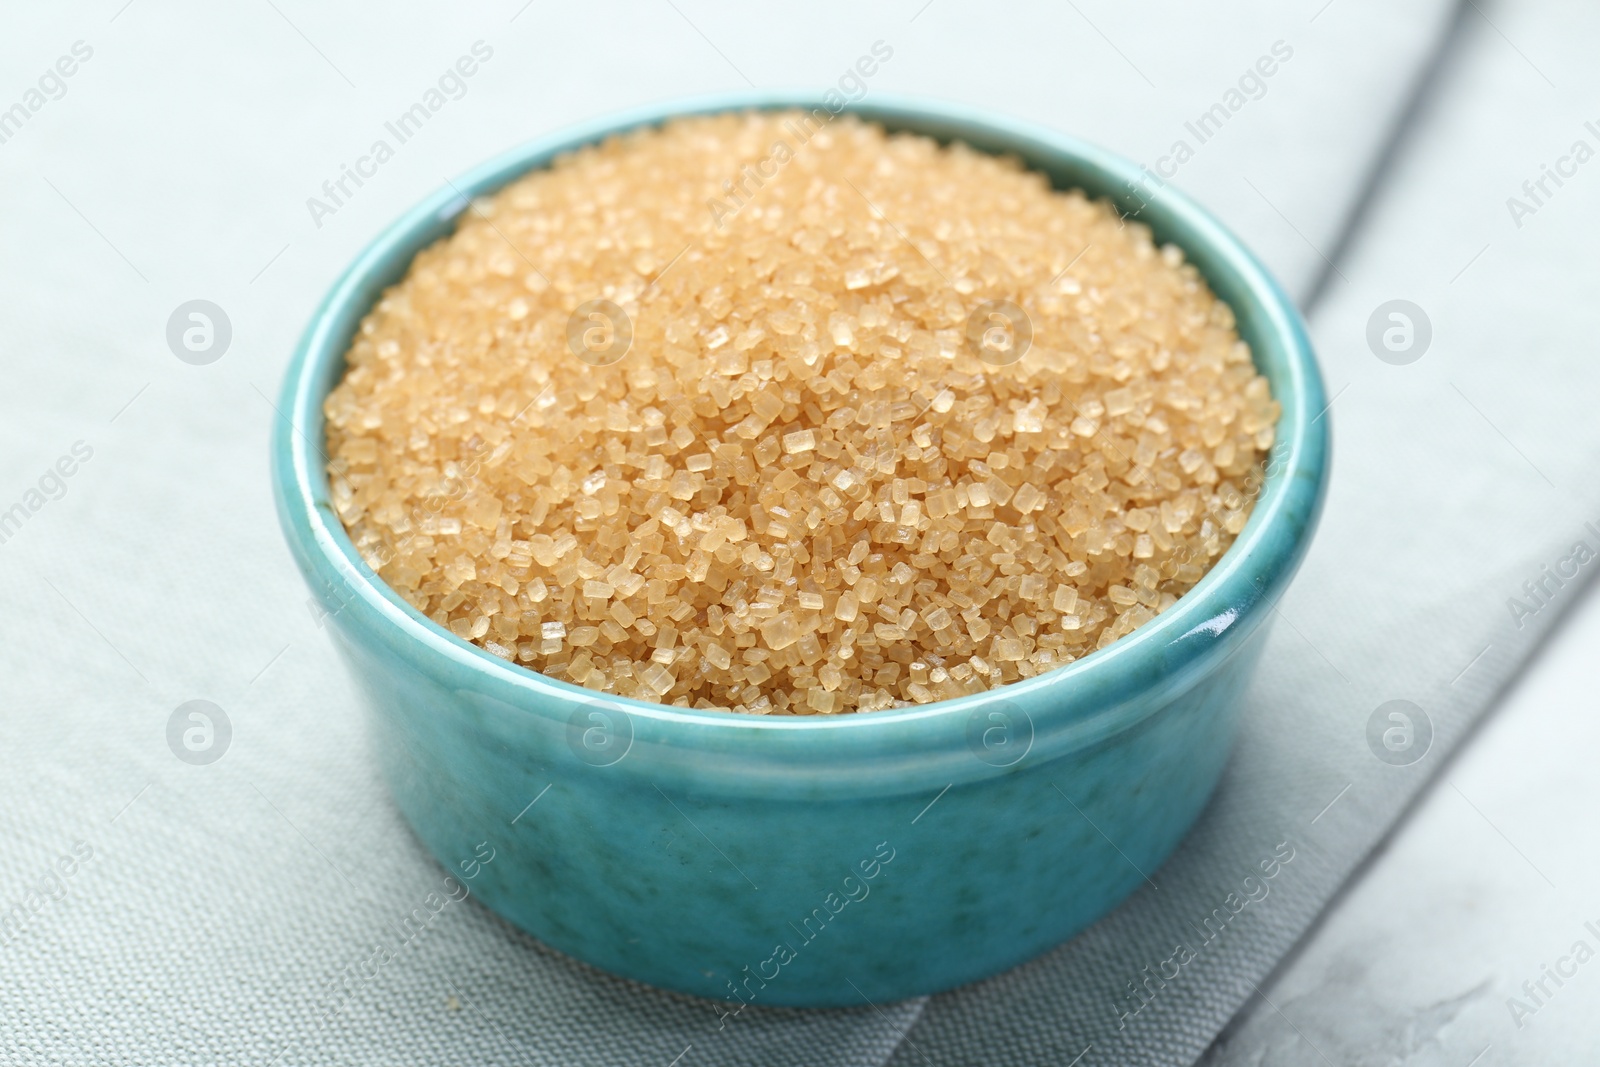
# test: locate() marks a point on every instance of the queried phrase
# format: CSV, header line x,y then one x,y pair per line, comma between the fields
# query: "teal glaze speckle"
x,y
729,855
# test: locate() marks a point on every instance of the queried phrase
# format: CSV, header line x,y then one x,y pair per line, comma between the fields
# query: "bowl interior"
x,y
1231,596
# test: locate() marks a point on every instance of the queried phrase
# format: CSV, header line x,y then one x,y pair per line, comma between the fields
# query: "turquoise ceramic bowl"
x,y
812,862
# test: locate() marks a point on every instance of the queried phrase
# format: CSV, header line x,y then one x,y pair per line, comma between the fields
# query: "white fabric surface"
x,y
1423,959
212,910
1493,878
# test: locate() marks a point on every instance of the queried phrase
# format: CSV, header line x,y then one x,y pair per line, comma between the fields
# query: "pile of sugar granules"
x,y
820,479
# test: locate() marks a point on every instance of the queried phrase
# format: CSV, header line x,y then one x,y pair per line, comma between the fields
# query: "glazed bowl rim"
x,y
1232,596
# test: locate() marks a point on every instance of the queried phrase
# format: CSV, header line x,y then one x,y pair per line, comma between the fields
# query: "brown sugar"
x,y
791,416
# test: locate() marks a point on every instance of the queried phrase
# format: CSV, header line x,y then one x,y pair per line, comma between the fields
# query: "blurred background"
x,y
1420,175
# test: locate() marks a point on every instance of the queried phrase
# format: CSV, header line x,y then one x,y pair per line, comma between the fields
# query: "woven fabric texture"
x,y
160,912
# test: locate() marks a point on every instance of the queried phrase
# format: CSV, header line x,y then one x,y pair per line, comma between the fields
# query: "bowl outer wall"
x,y
897,750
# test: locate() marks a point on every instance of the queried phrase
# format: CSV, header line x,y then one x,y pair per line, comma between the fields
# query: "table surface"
x,y
1491,877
